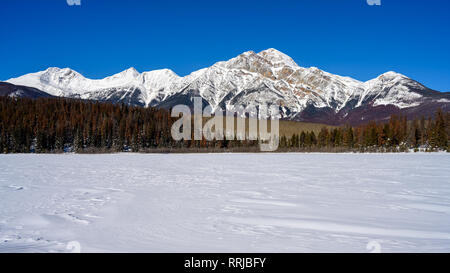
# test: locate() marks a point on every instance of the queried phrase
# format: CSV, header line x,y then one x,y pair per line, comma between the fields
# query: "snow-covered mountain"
x,y
268,77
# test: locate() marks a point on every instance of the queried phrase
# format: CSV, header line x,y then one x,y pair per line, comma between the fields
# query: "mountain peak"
x,y
277,58
162,71
128,74
131,71
159,74
52,69
59,74
247,53
272,51
391,75
63,71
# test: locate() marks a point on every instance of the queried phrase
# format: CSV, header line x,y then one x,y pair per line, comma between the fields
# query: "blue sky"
x,y
345,37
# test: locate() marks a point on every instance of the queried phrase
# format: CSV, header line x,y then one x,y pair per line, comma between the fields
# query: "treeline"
x,y
396,135
56,125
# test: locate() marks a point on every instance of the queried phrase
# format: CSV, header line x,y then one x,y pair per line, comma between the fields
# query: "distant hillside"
x,y
11,90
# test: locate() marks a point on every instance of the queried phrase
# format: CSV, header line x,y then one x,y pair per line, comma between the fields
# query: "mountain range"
x,y
268,77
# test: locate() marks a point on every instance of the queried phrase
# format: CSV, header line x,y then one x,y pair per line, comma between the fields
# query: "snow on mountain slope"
x,y
68,83
393,88
268,77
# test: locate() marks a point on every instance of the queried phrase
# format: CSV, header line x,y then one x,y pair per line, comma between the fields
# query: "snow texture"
x,y
225,202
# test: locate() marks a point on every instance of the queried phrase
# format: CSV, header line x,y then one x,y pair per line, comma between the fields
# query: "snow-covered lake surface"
x,y
225,202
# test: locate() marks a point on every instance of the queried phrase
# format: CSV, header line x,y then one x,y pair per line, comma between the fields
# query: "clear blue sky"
x,y
346,37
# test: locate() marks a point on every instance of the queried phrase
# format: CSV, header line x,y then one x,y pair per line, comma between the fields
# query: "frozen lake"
x,y
225,202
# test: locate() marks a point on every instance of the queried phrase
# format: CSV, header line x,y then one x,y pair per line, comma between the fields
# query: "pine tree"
x,y
440,137
78,141
302,139
323,137
348,137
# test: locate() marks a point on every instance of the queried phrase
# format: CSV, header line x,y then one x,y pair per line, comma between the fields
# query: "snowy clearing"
x,y
225,202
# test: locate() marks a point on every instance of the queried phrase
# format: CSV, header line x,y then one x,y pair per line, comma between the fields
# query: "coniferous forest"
x,y
54,125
